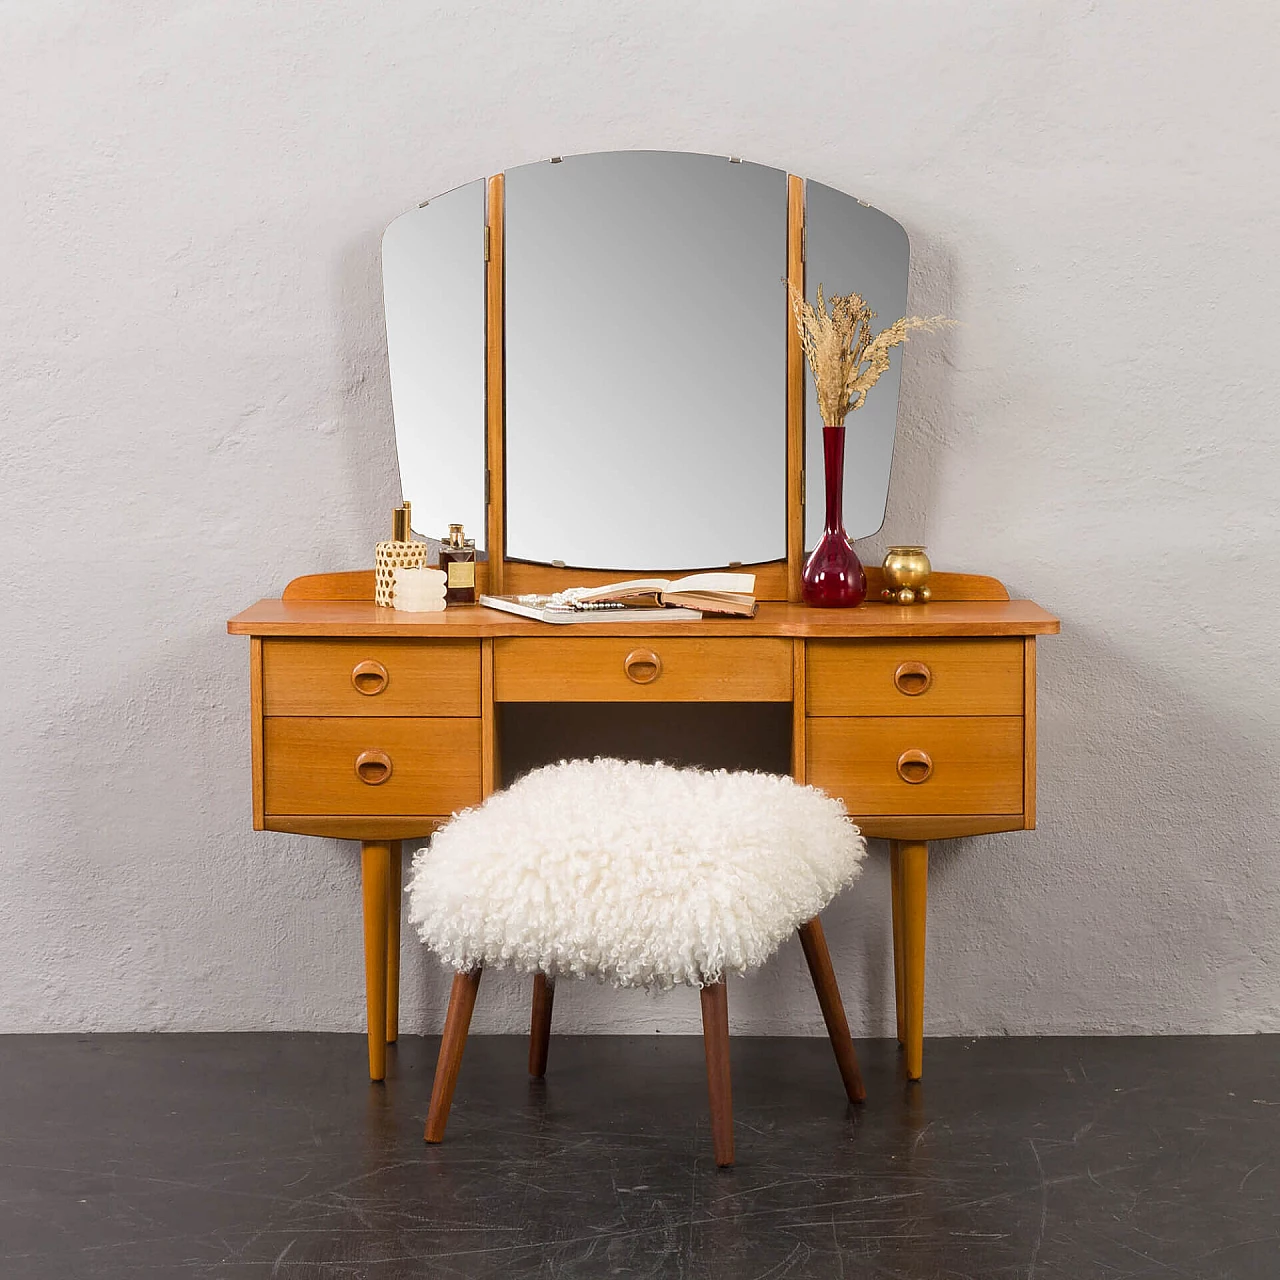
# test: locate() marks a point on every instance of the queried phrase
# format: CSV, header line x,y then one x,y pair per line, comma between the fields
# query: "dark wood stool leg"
x,y
814,942
544,994
462,1000
715,1040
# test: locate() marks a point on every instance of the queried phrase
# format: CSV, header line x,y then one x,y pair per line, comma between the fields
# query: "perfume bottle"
x,y
401,552
458,560
401,519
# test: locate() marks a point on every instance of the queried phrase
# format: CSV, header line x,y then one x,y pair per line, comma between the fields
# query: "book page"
x,y
538,608
739,583
632,587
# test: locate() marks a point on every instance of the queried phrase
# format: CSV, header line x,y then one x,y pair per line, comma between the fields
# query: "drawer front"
x,y
915,677
653,669
902,765
370,765
370,677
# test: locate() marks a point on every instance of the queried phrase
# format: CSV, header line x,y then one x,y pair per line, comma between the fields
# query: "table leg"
x,y
914,855
394,878
375,865
895,898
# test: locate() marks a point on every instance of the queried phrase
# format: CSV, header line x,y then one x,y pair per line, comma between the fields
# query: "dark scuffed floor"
x,y
269,1156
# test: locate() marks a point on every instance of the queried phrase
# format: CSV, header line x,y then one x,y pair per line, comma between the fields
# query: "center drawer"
x,y
358,677
652,669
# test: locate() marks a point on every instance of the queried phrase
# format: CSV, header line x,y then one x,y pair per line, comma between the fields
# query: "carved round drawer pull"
x,y
373,767
642,666
369,678
912,678
914,766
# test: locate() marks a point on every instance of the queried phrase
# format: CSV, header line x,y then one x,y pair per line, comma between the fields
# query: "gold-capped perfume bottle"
x,y
401,518
458,560
401,552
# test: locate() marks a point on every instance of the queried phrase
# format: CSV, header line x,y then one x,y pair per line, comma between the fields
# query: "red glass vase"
x,y
833,575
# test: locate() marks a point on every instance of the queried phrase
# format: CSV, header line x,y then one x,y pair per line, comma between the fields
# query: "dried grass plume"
x,y
845,358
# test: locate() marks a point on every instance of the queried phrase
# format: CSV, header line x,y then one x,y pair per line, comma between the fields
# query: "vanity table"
x,y
376,725
373,725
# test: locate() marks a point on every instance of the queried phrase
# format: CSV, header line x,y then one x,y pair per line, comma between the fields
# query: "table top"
x,y
363,618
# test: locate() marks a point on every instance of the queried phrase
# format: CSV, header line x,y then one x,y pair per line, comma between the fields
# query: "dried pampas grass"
x,y
845,358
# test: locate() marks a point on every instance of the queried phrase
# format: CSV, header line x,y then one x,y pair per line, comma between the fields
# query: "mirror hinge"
x,y
487,475
486,244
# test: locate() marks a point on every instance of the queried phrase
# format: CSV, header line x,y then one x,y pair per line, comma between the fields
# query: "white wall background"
x,y
195,409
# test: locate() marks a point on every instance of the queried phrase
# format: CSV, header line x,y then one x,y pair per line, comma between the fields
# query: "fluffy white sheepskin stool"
x,y
639,875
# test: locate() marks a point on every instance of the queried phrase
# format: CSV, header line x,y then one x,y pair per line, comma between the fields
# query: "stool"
x,y
642,875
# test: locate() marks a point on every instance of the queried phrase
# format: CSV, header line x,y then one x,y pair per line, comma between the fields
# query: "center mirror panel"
x,y
645,323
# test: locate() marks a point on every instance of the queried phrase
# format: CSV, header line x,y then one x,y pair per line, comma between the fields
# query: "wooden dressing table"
x,y
374,725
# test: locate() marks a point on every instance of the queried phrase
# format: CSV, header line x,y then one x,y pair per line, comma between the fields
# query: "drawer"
x,y
906,765
370,765
370,677
914,677
653,669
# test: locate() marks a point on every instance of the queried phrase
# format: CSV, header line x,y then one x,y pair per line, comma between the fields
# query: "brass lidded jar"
x,y
906,576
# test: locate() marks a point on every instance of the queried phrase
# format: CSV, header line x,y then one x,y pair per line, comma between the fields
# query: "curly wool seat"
x,y
638,874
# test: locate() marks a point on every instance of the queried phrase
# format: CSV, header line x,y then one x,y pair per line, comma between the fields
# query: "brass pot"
x,y
906,575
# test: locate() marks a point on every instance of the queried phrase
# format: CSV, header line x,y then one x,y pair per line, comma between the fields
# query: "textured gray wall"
x,y
196,409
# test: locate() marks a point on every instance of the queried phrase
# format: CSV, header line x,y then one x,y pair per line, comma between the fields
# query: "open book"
x,y
657,598
725,593
556,609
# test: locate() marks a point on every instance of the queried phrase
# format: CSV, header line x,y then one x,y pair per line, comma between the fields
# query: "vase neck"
x,y
833,470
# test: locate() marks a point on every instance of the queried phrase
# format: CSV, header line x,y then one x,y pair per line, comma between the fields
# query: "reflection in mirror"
x,y
645,361
852,248
433,280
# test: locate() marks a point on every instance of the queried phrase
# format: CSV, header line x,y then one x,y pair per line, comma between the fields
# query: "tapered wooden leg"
x,y
462,1000
895,897
544,994
915,901
394,877
375,867
715,1040
814,942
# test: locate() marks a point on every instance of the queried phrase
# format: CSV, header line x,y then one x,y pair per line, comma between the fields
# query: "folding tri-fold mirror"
x,y
629,356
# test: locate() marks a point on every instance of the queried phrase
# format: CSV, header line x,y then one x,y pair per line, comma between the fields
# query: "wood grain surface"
x,y
364,618
594,669
976,677
977,763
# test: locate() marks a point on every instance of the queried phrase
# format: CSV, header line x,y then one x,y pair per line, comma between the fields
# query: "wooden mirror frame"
x,y
775,579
